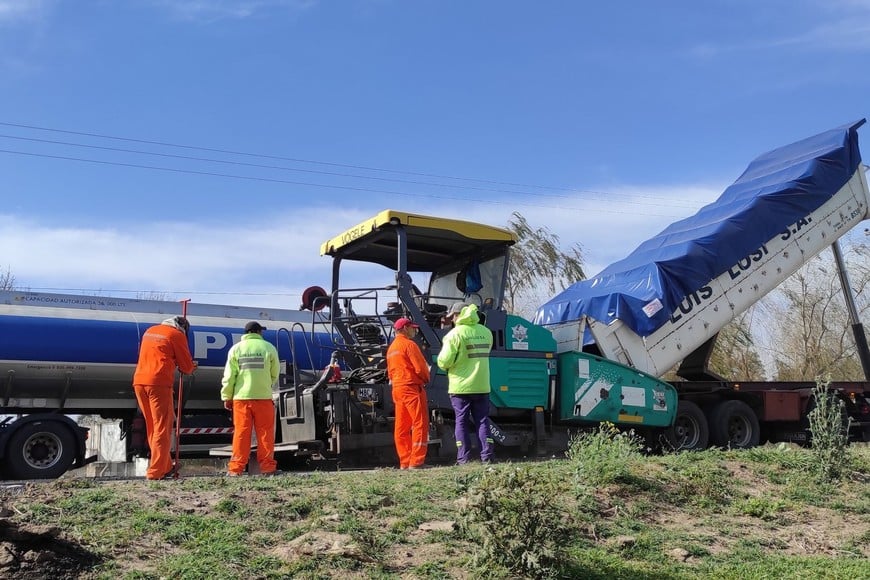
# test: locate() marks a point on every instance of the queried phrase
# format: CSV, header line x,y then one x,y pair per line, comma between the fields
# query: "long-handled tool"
x,y
176,465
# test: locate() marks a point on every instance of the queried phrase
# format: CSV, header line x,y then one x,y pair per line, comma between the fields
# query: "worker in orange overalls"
x,y
409,374
163,349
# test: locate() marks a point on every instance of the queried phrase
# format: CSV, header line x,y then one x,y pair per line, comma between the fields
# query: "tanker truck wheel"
x,y
690,430
40,450
733,425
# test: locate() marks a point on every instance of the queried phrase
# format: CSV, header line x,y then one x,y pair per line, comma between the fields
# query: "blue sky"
x,y
205,149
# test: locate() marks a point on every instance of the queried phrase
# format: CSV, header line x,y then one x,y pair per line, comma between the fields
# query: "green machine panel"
x,y
521,382
522,335
593,389
522,374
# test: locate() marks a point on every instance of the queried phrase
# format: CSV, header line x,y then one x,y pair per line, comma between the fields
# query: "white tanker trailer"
x,y
66,355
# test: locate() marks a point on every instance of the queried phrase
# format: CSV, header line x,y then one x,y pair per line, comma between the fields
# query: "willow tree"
x,y
539,266
735,355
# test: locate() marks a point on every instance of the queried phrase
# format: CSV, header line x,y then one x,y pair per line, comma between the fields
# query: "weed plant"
x,y
829,426
604,456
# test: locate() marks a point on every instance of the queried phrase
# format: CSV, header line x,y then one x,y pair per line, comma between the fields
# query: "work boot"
x,y
172,473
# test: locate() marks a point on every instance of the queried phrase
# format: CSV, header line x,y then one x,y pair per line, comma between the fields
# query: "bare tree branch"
x,y
7,280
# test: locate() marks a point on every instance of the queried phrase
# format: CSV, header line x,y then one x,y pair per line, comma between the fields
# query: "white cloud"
x,y
212,10
170,257
607,229
269,264
835,25
17,10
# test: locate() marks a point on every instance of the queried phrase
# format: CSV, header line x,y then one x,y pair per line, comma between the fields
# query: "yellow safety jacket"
x,y
465,354
251,370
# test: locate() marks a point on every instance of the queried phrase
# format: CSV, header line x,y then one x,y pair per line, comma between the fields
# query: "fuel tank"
x,y
78,353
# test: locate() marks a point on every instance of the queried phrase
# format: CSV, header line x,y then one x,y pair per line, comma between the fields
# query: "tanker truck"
x,y
66,355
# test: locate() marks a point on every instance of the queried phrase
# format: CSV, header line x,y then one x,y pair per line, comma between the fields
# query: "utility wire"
x,y
97,291
334,174
318,185
325,163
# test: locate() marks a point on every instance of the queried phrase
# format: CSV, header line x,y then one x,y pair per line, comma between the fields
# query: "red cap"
x,y
403,322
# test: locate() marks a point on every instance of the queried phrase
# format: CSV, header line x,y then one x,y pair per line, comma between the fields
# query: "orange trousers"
x,y
259,415
411,432
156,406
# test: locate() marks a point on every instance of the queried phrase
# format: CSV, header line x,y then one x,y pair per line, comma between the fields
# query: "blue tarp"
x,y
777,190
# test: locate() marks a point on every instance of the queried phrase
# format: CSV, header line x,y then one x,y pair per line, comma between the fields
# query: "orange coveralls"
x,y
409,374
163,348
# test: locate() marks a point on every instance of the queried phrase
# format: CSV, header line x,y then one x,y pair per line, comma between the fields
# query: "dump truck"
x,y
663,305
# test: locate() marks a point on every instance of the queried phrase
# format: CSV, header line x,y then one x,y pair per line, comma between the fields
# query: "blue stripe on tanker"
x,y
116,342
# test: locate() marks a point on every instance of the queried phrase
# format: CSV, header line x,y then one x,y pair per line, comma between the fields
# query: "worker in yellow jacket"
x,y
251,370
465,357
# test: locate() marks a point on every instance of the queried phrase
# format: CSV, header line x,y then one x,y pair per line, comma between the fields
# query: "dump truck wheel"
x,y
690,430
40,450
733,425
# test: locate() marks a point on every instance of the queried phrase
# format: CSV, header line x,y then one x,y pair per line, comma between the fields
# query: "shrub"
x,y
514,517
829,426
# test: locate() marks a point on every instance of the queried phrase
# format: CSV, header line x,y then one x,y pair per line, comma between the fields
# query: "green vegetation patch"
x,y
607,511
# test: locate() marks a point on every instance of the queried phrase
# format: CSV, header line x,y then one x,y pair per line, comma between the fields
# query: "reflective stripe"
x,y
479,355
477,346
251,362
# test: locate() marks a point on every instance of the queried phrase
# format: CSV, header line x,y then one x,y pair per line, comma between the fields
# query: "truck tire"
x,y
733,425
40,450
690,430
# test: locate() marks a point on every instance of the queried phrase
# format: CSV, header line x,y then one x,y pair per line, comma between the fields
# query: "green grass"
x,y
758,513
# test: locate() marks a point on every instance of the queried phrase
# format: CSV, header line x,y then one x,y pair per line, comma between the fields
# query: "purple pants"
x,y
471,414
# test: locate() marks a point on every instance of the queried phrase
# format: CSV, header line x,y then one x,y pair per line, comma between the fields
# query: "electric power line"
x,y
92,291
325,163
309,184
313,171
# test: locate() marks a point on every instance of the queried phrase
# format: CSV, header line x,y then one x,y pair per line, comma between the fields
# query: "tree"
x,y
735,356
810,328
539,266
7,280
